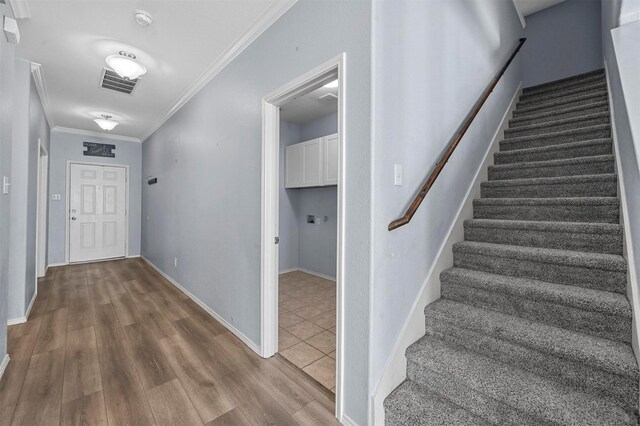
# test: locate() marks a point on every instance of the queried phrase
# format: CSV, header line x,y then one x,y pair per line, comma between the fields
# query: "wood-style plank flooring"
x,y
115,343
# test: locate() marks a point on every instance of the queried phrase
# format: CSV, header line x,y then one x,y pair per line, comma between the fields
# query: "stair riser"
x,y
583,321
581,82
591,242
549,128
535,118
559,154
559,213
591,168
546,140
460,393
575,374
598,279
583,189
560,105
561,95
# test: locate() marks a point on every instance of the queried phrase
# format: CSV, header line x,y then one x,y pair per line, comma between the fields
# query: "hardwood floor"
x,y
115,343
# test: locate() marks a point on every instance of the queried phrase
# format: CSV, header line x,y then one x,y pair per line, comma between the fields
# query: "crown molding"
x,y
93,134
38,78
20,9
258,27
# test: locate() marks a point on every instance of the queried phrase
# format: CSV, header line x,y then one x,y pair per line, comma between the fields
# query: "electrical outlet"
x,y
175,262
56,197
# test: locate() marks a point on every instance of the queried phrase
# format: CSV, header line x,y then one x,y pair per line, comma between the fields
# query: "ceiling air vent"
x,y
112,81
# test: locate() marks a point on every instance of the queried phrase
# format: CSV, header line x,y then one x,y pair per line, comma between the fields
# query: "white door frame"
x,y
68,204
42,200
270,206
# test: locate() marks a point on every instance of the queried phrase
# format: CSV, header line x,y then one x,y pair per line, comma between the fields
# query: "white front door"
x,y
97,212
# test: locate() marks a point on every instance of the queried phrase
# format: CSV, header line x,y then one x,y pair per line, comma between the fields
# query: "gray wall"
x,y
28,127
562,41
68,146
7,69
205,209
303,245
423,92
289,226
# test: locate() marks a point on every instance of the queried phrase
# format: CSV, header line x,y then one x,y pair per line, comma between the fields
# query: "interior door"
x,y
97,212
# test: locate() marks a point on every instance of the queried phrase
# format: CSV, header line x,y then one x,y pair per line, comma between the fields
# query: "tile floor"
x,y
307,323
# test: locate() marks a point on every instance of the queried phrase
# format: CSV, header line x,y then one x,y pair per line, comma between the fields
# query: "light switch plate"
x,y
5,184
397,175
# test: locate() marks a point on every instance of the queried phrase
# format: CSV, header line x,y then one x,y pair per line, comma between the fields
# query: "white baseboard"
x,y
307,271
395,370
133,256
3,365
627,246
348,421
25,318
210,311
53,265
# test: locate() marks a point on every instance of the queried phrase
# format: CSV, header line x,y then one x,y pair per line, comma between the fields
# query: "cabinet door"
x,y
312,162
330,163
293,166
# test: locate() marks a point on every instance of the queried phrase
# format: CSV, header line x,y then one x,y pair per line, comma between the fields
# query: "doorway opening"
x,y
42,210
302,217
97,206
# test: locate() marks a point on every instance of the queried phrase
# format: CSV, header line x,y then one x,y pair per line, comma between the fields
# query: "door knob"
x,y
73,218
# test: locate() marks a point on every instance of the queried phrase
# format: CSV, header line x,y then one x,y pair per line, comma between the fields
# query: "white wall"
x,y
562,41
7,70
68,147
426,78
205,209
288,204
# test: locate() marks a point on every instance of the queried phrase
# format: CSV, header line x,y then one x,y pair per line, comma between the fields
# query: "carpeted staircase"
x,y
533,327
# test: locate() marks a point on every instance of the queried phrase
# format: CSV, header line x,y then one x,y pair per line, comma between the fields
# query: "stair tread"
x,y
557,134
588,75
576,201
604,261
564,92
527,392
560,101
539,115
567,295
556,147
550,226
553,163
608,355
412,404
556,180
569,120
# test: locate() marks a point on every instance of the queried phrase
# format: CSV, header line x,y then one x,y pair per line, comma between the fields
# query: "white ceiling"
x,y
309,107
527,7
187,44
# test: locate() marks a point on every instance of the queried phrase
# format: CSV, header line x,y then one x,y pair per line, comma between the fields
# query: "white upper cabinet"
x,y
312,163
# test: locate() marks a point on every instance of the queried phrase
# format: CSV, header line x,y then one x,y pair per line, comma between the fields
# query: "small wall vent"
x,y
112,81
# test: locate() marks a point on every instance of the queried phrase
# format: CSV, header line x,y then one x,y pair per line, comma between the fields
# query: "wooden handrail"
x,y
406,218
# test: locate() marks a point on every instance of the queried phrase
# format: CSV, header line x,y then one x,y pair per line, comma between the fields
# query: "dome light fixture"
x,y
125,65
106,123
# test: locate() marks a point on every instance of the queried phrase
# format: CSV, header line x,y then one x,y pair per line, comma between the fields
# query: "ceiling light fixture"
x,y
143,18
332,84
125,66
106,123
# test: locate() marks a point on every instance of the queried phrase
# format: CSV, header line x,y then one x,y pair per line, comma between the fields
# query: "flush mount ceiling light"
x,y
106,123
125,66
143,18
332,84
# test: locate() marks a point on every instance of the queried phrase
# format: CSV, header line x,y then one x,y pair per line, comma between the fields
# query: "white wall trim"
x,y
25,318
414,327
20,9
632,274
523,22
133,256
3,365
308,271
93,134
629,18
207,309
348,421
258,27
54,265
38,78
